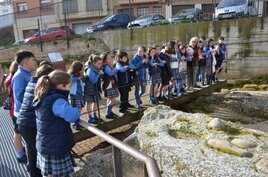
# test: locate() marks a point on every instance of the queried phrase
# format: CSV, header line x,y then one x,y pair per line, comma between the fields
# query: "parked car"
x,y
187,15
110,22
147,20
237,8
51,33
19,42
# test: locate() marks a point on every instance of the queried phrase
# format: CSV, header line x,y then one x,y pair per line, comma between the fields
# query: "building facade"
x,y
27,14
6,13
80,14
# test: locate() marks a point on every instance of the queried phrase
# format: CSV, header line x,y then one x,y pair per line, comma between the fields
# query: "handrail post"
x,y
145,171
117,162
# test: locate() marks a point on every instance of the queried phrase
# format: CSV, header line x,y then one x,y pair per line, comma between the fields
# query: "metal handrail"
x,y
150,163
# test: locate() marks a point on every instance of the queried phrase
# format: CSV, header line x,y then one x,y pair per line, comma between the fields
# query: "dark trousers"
x,y
29,136
124,90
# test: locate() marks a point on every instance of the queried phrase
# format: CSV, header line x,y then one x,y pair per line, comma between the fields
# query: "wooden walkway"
x,y
9,167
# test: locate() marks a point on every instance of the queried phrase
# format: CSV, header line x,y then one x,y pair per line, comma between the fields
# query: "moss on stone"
x,y
180,166
232,130
151,134
227,151
250,87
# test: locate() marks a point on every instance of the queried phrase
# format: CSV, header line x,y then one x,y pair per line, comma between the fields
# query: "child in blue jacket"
x,y
54,139
141,63
155,64
109,84
92,90
77,87
123,67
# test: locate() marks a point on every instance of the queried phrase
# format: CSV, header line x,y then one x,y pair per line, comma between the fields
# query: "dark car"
x,y
110,22
51,33
187,15
147,20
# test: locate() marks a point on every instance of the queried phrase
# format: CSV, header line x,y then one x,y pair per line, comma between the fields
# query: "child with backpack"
x,y
92,90
110,84
54,139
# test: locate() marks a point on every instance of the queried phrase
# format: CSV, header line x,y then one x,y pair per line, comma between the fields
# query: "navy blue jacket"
x,y
54,135
92,81
27,118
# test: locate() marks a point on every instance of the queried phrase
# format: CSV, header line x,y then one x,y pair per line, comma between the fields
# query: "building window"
x,y
157,10
22,7
45,4
94,4
143,11
70,6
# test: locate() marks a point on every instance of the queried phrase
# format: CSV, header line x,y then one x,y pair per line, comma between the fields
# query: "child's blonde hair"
x,y
193,39
50,81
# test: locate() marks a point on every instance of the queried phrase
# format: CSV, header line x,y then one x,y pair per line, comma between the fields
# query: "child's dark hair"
x,y
76,68
149,50
43,70
50,81
169,50
93,59
181,48
171,44
210,40
23,54
202,38
221,38
121,54
45,62
104,56
13,67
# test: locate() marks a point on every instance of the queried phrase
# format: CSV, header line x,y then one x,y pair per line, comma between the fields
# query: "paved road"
x,y
8,162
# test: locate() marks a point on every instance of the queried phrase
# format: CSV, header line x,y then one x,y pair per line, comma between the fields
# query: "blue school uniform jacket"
x,y
155,70
77,86
141,67
27,118
53,114
123,73
19,83
92,81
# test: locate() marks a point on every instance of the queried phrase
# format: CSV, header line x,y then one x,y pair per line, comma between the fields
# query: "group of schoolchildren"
x,y
40,108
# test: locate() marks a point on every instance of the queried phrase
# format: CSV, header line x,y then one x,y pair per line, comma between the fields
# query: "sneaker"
x,y
140,102
156,101
121,114
164,98
130,105
160,98
153,102
179,94
77,126
109,116
23,159
93,120
113,114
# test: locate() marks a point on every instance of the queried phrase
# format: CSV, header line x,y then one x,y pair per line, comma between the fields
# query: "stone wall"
x,y
247,42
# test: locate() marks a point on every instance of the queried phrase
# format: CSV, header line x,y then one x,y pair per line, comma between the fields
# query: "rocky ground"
x,y
187,144
246,107
194,144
